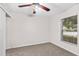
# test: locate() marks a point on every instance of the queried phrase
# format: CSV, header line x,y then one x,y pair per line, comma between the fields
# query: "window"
x,y
69,29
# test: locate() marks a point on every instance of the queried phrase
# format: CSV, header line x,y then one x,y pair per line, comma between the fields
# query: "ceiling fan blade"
x,y
45,8
24,5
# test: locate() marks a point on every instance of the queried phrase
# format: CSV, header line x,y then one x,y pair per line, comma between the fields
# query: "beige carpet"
x,y
46,49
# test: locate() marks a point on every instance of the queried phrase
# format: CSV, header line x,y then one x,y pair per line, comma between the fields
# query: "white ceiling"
x,y
55,8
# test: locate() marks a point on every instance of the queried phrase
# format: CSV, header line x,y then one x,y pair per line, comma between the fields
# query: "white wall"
x,y
56,26
23,30
2,32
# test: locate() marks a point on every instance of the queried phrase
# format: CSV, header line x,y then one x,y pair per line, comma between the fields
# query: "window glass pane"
x,y
70,29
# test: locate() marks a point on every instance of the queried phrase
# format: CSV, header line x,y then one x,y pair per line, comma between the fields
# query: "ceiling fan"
x,y
34,5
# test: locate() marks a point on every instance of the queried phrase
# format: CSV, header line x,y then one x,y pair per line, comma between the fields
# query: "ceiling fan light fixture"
x,y
35,7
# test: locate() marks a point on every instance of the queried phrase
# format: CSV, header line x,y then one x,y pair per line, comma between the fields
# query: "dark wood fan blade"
x,y
24,5
45,8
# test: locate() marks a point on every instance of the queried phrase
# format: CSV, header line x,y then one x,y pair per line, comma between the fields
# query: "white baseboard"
x,y
27,45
